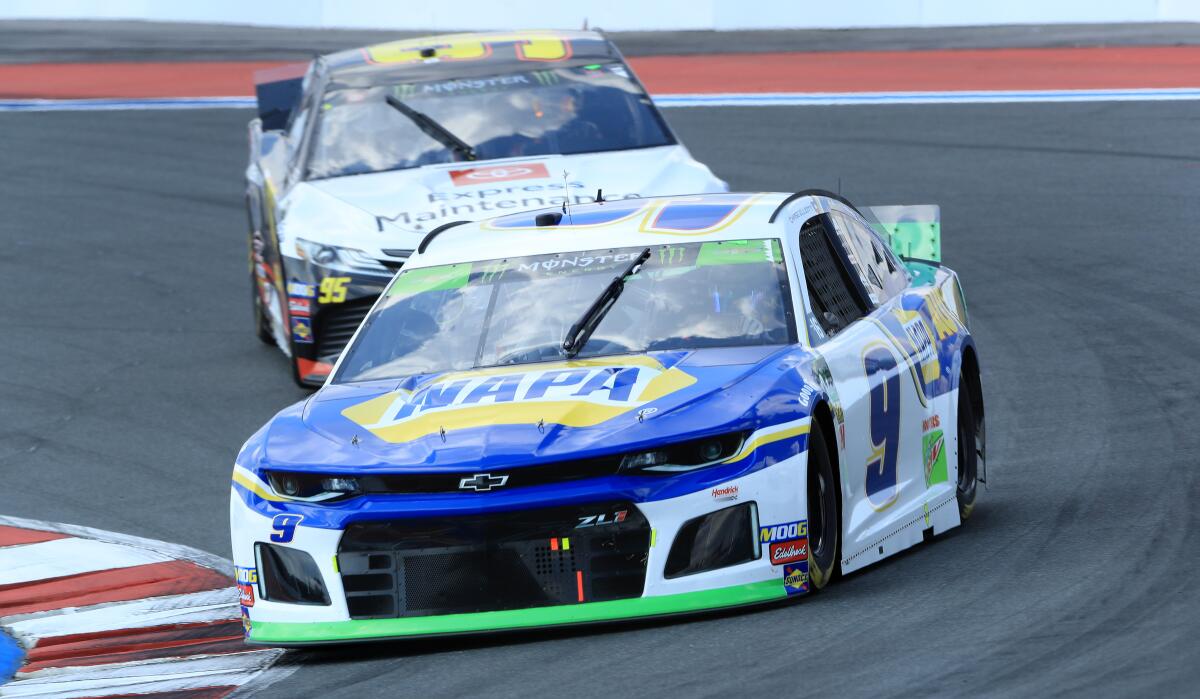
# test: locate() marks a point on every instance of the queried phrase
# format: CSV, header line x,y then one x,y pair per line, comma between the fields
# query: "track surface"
x,y
132,376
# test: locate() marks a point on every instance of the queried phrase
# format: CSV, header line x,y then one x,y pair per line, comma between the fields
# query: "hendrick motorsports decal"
x,y
574,394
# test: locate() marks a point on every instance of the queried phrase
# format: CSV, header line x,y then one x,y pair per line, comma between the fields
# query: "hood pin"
x,y
541,425
354,440
442,431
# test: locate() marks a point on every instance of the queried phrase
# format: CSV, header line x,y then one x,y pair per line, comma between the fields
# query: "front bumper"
x,y
342,552
323,310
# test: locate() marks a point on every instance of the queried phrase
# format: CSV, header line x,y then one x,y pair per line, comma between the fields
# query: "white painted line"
x,y
727,99
197,607
161,675
54,559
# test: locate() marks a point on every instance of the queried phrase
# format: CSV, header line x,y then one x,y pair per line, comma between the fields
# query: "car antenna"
x,y
599,196
566,197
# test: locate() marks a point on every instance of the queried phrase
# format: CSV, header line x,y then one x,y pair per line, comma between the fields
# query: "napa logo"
x,y
581,393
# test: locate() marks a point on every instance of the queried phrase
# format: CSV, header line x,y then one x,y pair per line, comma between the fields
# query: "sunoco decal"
x,y
574,394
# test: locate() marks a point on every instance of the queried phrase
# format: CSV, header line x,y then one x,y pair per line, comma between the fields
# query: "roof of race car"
x,y
612,224
452,55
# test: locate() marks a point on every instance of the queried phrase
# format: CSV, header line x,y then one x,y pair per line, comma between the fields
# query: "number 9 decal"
x,y
882,475
285,528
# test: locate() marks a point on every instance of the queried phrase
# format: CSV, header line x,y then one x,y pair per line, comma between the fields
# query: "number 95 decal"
x,y
333,289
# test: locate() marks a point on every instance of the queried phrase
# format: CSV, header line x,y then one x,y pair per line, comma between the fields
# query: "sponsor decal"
x,y
783,532
806,395
931,423
795,578
298,306
580,393
247,580
246,621
789,551
933,446
487,201
725,492
302,330
602,519
482,482
301,289
498,173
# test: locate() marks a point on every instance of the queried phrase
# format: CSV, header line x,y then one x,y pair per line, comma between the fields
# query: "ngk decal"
x,y
498,173
789,551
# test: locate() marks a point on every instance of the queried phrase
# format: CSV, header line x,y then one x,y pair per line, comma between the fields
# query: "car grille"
x,y
492,562
519,477
336,325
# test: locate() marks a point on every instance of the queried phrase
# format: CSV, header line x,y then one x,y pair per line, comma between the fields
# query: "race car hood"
x,y
521,415
390,209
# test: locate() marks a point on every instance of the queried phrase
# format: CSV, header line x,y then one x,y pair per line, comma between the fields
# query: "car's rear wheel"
x,y
824,498
970,447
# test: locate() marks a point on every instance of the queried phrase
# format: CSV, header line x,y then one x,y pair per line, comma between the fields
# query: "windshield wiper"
x,y
582,329
432,129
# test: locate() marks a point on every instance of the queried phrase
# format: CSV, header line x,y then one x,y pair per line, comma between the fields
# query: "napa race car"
x,y
357,155
635,408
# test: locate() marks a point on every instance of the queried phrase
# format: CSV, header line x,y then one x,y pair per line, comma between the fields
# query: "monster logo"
x,y
574,394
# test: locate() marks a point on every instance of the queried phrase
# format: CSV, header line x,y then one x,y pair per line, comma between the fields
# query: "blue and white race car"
x,y
622,409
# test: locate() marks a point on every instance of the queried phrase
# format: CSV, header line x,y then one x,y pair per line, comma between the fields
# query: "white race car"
x,y
356,157
635,408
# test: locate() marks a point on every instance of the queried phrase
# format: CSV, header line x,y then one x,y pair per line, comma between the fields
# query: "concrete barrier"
x,y
616,15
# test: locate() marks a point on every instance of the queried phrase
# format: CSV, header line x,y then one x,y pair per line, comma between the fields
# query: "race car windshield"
x,y
519,310
584,109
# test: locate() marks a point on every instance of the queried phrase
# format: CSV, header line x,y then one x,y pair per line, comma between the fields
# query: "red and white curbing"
x,y
101,614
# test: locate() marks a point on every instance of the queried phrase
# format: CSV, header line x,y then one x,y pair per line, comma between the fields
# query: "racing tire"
x,y
970,449
824,522
262,324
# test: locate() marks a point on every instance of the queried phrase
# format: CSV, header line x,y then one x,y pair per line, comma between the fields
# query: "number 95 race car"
x,y
634,408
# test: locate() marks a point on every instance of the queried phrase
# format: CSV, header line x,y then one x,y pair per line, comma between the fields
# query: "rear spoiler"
x,y
914,232
278,91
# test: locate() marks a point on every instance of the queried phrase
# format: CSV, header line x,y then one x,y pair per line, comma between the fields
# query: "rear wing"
x,y
278,91
914,232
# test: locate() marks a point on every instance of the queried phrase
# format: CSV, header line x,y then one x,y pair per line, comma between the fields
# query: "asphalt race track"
x,y
132,375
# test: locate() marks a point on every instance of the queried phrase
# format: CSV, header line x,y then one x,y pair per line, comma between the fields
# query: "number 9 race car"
x,y
357,156
634,409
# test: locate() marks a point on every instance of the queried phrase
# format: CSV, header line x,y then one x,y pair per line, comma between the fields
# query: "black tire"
x,y
970,447
824,505
262,324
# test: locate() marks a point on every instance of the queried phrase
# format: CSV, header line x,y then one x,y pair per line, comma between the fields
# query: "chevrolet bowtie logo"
x,y
481,482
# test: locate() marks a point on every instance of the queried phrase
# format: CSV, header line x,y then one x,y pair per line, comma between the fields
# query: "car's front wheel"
x,y
824,496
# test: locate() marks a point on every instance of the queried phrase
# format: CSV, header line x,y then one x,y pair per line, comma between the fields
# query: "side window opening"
x,y
875,265
836,296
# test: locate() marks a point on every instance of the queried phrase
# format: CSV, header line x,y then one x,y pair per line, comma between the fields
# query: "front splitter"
x,y
319,633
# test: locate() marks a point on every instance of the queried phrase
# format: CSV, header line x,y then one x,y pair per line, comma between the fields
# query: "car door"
x,y
852,313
